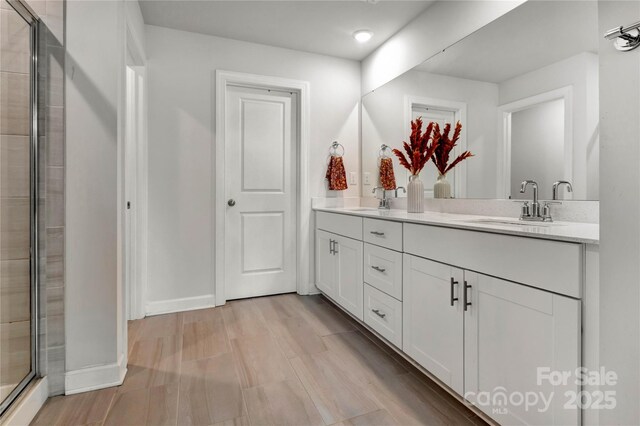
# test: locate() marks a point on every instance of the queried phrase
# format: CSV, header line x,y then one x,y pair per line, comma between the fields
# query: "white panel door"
x,y
349,279
433,320
510,332
326,263
260,171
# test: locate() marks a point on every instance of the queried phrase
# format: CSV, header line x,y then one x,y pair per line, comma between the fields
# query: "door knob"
x,y
231,202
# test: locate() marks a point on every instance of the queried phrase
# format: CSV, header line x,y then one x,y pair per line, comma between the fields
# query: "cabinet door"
x,y
325,263
511,331
349,281
433,322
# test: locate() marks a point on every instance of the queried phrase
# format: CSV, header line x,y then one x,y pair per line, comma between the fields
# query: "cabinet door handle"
x,y
377,233
379,269
331,242
453,282
335,247
378,313
465,296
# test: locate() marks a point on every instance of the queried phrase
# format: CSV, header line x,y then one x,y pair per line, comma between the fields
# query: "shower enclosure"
x,y
18,199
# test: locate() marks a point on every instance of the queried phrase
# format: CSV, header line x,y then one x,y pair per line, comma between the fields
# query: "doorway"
x,y
134,201
261,140
262,229
440,111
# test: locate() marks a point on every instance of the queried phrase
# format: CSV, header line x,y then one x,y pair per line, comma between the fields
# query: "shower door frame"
x,y
31,18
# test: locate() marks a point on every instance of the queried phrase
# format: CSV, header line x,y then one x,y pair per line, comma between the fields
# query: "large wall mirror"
x,y
525,89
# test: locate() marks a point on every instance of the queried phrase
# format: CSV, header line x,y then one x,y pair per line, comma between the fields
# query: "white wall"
x,y
92,73
620,214
181,70
94,297
441,25
383,121
581,73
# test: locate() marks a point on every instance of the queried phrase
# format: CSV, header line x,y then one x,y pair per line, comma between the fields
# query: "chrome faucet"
x,y
532,213
557,184
385,203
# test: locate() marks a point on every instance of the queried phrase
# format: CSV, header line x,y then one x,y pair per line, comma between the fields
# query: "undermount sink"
x,y
507,222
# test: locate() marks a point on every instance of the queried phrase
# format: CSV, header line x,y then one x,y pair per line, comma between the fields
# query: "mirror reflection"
x,y
524,88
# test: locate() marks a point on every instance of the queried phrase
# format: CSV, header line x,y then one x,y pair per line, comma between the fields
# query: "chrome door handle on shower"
x,y
231,202
379,269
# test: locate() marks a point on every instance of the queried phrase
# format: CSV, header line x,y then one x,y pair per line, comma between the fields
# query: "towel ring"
x,y
333,150
383,153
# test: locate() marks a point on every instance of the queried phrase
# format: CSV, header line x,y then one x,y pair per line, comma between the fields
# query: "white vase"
x,y
442,187
415,195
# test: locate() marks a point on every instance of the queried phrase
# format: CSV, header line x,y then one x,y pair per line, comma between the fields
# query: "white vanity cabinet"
x,y
339,262
433,324
482,312
325,263
511,331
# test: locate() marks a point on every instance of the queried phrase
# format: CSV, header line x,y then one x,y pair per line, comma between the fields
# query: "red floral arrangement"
x,y
419,150
444,145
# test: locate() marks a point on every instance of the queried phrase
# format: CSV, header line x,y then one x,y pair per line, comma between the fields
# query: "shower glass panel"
x,y
17,201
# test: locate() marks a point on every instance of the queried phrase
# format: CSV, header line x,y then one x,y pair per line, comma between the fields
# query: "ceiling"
x,y
532,36
323,27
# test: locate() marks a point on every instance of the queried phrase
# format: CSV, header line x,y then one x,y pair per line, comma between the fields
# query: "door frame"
x,y
135,132
224,79
459,110
504,137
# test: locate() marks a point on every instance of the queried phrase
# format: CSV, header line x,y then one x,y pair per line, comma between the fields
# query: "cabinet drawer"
x,y
383,233
341,224
550,265
383,270
383,313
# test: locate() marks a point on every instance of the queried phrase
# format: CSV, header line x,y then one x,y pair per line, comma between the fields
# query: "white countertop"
x,y
575,232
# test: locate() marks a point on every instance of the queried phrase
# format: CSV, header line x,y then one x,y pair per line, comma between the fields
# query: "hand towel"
x,y
336,174
387,177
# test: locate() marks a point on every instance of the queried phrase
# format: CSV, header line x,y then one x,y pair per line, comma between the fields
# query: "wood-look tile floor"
x,y
280,360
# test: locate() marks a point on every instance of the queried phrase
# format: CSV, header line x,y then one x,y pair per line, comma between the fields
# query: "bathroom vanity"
x,y
479,303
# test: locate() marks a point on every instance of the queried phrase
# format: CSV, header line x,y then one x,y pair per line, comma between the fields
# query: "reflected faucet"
x,y
557,184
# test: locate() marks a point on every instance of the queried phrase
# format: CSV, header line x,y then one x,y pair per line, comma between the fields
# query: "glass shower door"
x,y
17,201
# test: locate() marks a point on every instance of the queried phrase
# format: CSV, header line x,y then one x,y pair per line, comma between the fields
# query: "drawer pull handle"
x,y
378,313
379,269
453,282
377,233
465,300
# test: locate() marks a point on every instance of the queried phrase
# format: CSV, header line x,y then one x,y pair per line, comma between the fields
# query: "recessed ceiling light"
x,y
362,35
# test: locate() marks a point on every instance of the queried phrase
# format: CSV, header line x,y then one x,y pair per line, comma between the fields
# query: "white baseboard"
x,y
180,305
28,405
93,378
